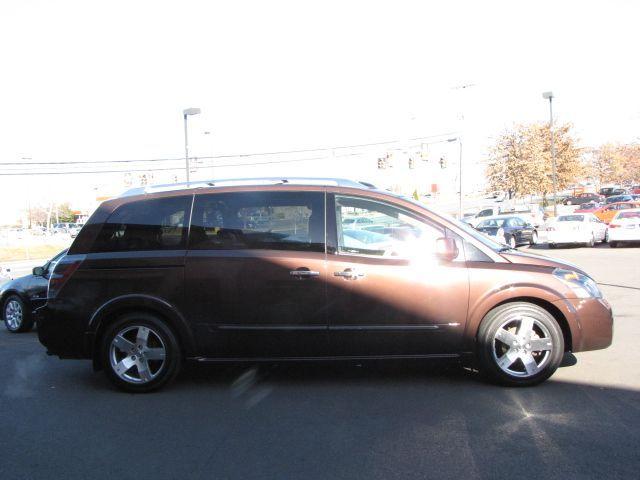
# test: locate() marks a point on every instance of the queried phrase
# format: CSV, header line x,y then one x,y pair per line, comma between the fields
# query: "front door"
x,y
256,273
388,294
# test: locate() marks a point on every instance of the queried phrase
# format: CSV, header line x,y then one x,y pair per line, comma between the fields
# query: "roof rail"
x,y
240,182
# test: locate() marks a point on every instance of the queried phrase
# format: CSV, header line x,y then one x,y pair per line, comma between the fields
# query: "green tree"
x,y
65,214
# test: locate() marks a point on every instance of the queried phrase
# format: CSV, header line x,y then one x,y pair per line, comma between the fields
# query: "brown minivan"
x,y
291,269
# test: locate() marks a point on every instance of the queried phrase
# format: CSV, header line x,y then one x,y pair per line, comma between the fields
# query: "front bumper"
x,y
590,322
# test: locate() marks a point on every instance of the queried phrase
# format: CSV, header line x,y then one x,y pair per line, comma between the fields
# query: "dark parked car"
x,y
154,279
610,191
512,231
583,198
21,296
619,198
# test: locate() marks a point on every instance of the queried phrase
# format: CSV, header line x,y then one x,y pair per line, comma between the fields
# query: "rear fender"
x,y
147,303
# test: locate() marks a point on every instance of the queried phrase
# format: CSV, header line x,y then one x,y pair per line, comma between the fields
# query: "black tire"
x,y
160,337
591,243
552,245
546,362
512,242
25,323
613,244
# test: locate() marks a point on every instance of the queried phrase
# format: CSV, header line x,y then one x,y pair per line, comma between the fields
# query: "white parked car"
x,y
577,228
625,227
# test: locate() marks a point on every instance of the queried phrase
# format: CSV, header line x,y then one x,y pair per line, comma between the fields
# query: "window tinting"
x,y
154,224
258,220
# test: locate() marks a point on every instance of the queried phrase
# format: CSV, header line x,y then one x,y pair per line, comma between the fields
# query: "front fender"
x,y
483,303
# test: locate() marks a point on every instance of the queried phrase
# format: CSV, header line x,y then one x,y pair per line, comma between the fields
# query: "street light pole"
x,y
460,179
185,113
549,95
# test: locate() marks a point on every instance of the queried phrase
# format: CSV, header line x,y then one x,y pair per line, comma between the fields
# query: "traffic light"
x,y
412,163
381,163
443,163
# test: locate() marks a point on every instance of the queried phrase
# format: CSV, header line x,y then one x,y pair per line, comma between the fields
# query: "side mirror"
x,y
38,271
446,249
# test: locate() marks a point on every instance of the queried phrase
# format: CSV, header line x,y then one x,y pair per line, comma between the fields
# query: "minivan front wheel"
x,y
17,317
519,344
140,353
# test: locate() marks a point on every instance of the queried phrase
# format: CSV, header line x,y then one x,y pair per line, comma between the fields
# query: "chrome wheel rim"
x,y
13,314
522,346
534,238
512,242
137,354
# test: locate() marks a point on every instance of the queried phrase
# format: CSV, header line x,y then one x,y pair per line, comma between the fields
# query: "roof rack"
x,y
245,182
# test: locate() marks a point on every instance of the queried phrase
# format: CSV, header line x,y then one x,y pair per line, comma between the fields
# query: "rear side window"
x,y
154,224
258,220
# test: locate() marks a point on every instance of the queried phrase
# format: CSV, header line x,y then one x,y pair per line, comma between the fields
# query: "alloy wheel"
x,y
137,354
13,314
512,242
522,347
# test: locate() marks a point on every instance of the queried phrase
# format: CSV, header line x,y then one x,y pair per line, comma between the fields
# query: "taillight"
x,y
61,274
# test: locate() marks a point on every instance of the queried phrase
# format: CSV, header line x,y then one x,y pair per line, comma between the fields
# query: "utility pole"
x,y
460,134
185,113
549,95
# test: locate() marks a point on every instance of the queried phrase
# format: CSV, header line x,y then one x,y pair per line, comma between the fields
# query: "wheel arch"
x,y
115,308
6,295
547,305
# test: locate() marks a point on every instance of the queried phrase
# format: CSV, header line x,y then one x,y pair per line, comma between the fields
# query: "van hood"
x,y
523,258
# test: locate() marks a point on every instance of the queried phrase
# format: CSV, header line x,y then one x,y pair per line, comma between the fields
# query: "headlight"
x,y
582,285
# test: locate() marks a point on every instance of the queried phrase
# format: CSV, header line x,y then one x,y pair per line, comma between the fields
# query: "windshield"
x,y
494,222
571,218
629,215
481,237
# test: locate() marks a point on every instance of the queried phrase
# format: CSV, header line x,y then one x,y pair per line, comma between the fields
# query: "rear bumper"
x,y
568,237
59,335
624,234
590,322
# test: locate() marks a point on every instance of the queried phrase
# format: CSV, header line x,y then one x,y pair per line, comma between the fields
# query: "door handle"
x,y
349,274
304,273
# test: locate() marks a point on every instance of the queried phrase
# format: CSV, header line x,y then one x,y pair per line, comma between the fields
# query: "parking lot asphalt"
x,y
406,420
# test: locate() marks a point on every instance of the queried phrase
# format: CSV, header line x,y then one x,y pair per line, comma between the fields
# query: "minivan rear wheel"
x,y
140,353
519,344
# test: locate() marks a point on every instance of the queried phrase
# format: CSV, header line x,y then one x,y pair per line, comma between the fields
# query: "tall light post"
x,y
549,95
185,113
459,140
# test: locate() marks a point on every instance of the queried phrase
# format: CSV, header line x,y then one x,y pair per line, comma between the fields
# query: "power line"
x,y
79,172
215,157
